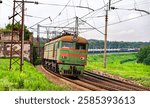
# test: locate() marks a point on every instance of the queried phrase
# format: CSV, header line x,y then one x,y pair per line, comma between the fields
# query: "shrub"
x,y
127,60
143,55
147,60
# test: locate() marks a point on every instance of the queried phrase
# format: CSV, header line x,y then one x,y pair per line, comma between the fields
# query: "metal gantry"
x,y
16,57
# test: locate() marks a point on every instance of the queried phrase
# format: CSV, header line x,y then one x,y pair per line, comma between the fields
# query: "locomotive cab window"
x,y
67,45
80,46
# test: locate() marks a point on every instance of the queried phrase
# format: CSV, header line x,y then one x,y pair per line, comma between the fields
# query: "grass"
x,y
28,80
121,64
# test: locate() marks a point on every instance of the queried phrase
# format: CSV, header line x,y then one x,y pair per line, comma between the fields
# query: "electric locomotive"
x,y
66,55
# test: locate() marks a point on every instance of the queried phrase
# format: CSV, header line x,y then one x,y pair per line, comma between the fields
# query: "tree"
x,y
143,55
17,26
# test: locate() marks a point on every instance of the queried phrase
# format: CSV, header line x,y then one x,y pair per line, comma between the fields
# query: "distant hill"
x,y
99,44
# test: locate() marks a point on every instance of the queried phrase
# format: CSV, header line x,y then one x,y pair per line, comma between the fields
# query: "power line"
x,y
140,10
91,26
65,5
74,8
39,22
120,22
65,20
49,16
100,9
137,3
34,16
62,10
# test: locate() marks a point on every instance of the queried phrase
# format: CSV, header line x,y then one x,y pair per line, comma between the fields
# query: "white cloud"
x,y
135,30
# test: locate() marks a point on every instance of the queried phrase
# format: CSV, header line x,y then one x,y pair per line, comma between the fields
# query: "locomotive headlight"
x,y
82,58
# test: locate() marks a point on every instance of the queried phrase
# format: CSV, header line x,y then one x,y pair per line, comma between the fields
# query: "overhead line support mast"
x,y
18,10
17,57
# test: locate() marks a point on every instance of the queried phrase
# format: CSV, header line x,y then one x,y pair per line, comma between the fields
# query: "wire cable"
x,y
91,26
120,22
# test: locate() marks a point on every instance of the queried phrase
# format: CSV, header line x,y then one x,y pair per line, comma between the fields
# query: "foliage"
x,y
36,59
129,69
29,79
143,55
147,60
4,30
127,60
99,44
17,26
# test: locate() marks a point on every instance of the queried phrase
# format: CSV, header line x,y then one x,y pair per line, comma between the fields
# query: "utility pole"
x,y
105,38
105,35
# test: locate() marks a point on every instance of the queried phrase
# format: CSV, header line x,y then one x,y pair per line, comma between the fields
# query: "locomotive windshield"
x,y
80,46
67,45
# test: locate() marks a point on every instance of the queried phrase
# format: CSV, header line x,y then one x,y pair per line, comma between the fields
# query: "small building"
x,y
5,44
6,36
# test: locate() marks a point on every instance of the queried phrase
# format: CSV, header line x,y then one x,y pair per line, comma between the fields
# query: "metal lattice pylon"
x,y
16,55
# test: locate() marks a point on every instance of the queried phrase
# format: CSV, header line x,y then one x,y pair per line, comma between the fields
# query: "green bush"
x,y
147,60
143,55
38,61
127,60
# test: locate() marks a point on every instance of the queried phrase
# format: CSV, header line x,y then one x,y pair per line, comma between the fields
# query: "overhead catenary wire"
x,y
134,9
137,3
93,11
73,21
50,17
39,22
67,5
91,26
91,29
74,8
120,22
100,9
61,10
89,14
34,16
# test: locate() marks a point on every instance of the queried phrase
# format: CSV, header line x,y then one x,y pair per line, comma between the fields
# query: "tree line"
x,y
99,44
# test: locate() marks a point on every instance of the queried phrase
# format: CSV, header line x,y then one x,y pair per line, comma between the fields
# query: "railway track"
x,y
111,83
95,82
78,82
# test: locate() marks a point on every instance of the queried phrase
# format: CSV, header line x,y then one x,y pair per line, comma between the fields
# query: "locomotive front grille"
x,y
67,72
72,72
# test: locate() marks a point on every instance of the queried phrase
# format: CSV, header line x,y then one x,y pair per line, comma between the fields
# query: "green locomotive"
x,y
66,56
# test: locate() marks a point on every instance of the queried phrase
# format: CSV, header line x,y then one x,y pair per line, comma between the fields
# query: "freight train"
x,y
66,55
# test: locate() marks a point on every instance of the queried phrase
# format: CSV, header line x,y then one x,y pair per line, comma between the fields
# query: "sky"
x,y
124,23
